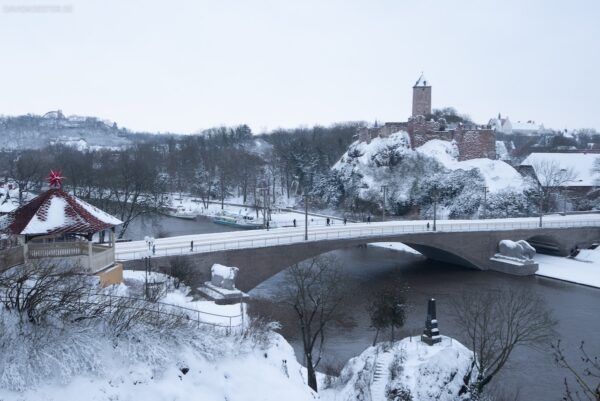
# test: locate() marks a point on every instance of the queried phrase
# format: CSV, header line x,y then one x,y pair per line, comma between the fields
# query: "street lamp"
x,y
541,204
384,188
306,197
485,189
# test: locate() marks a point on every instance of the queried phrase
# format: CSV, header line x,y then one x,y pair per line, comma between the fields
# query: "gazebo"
x,y
59,227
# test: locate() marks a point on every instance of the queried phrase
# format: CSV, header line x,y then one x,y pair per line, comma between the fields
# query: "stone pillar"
x,y
431,334
112,243
90,255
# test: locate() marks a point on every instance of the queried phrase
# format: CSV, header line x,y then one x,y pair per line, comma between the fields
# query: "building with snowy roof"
x,y
505,126
58,227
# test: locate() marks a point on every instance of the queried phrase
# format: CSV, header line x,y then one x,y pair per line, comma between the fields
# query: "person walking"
x,y
427,226
191,246
153,249
294,222
328,221
369,219
267,225
344,221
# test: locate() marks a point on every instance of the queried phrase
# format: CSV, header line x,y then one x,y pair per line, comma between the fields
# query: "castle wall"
x,y
475,144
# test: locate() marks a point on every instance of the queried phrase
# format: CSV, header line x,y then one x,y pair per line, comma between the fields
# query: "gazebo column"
x,y
90,252
112,243
25,248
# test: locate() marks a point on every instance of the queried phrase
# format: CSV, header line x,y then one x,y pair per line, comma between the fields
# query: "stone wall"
x,y
475,143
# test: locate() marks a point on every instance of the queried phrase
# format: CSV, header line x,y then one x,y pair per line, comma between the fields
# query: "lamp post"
x,y
147,271
435,201
384,189
541,204
305,216
485,189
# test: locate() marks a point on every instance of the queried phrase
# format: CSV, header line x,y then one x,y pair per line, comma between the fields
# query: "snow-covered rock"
x,y
416,176
408,367
498,174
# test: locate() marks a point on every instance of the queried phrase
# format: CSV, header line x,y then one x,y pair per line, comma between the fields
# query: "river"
x,y
530,372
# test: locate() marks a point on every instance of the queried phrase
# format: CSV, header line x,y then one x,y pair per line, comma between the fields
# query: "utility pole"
x,y
384,189
435,201
485,189
305,217
541,204
434,212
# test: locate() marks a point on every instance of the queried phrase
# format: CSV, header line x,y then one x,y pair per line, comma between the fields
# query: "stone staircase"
x,y
381,375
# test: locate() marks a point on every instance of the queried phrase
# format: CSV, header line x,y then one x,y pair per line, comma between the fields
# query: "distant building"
x,y
582,165
505,126
473,141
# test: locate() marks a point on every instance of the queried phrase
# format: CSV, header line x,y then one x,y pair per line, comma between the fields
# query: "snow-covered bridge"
x,y
261,253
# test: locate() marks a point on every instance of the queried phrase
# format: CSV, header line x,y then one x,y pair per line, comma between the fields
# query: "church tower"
x,y
421,97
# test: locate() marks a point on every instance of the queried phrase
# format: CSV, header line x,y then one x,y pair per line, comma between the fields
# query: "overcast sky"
x,y
181,66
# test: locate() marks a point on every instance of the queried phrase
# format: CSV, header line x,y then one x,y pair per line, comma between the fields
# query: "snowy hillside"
x,y
498,175
92,360
416,177
408,369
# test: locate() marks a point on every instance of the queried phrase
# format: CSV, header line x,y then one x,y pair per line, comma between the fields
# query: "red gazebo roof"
x,y
56,212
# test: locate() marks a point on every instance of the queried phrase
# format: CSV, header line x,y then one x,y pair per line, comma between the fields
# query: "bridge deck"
x,y
205,243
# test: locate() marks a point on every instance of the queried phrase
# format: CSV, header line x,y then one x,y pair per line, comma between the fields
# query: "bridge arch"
x,y
546,243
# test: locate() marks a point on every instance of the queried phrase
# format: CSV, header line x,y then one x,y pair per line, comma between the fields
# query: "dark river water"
x,y
531,373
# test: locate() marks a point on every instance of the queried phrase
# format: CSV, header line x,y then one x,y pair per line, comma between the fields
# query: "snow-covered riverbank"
x,y
583,269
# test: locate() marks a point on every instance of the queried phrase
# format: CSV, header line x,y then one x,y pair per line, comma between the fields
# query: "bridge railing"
x,y
261,239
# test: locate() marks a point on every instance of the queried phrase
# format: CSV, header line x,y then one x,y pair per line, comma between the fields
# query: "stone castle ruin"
x,y
473,141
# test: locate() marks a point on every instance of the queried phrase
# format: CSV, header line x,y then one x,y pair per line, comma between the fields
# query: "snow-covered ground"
x,y
498,175
583,269
208,311
279,216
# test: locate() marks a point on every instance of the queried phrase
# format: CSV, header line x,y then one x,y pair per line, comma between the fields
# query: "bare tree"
x,y
551,177
587,379
494,324
314,291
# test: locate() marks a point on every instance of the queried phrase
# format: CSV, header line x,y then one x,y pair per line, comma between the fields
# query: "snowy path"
x,y
204,243
381,376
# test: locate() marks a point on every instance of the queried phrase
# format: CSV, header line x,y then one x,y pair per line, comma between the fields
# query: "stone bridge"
x,y
472,247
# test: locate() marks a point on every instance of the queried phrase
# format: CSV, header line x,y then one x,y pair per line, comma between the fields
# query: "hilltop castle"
x,y
473,141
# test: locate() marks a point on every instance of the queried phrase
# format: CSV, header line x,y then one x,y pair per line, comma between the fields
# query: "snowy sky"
x,y
185,65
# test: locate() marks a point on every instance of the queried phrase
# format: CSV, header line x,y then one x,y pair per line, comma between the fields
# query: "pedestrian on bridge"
x,y
345,221
191,246
427,226
294,222
328,221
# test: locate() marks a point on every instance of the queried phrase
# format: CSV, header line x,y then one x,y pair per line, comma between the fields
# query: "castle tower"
x,y
421,97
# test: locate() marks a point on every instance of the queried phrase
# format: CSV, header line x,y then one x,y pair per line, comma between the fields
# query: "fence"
x,y
160,308
258,239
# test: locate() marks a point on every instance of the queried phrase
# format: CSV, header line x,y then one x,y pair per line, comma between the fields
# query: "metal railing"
x,y
160,308
259,239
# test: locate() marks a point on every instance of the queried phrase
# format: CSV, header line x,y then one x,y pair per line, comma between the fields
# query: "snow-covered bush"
x,y
507,204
